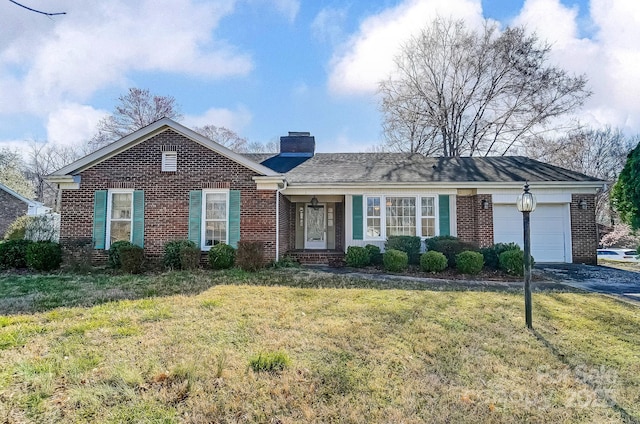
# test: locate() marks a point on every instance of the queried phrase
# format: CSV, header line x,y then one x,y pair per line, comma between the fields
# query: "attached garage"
x,y
550,229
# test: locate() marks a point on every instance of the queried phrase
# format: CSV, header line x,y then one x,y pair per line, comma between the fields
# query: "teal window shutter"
x,y
357,217
137,230
445,217
234,218
195,216
99,218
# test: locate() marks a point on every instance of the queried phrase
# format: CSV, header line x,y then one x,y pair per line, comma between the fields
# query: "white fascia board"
x,y
150,131
65,182
441,187
274,182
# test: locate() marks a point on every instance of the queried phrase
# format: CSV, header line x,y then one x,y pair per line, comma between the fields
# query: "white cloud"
x,y
97,44
235,120
551,20
327,25
288,8
368,56
73,124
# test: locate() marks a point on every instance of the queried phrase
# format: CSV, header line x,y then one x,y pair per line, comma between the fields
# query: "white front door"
x,y
315,228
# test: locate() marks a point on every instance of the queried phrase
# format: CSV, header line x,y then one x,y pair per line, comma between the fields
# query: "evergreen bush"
x,y
114,255
221,256
13,253
433,261
357,257
131,259
44,255
250,255
375,256
469,262
395,260
492,253
408,244
172,253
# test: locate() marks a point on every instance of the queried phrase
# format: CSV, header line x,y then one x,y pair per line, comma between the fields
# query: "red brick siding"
x,y
475,224
285,227
167,193
584,238
10,209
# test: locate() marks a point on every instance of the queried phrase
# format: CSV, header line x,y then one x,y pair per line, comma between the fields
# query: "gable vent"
x,y
169,161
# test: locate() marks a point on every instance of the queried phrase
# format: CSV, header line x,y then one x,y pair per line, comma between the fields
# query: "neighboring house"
x,y
14,205
166,182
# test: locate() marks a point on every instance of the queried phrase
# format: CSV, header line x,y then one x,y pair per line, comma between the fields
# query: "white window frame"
x,y
379,217
203,216
110,193
383,214
174,164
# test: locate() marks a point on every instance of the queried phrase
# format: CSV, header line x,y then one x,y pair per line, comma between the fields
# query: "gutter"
x,y
284,187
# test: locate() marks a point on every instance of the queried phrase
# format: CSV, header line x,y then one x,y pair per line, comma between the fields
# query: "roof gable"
x,y
149,131
19,196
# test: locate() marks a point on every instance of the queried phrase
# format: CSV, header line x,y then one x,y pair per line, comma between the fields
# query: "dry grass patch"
x,y
356,355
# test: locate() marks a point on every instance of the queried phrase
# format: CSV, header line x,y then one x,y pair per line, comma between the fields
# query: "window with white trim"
x,y
119,216
215,218
169,161
400,216
373,217
428,216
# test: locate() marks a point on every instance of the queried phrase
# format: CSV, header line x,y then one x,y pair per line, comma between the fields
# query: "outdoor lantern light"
x,y
526,204
485,204
314,202
582,204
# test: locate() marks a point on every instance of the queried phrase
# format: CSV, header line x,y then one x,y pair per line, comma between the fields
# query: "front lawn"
x,y
176,347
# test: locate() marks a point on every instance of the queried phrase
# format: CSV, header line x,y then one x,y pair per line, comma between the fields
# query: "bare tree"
x,y
268,147
459,92
12,173
600,153
44,158
137,109
224,136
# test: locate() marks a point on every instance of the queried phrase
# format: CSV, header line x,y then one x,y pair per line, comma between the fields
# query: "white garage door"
x,y
550,230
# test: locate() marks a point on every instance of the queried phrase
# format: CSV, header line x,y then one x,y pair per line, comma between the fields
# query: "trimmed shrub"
x,y
114,258
172,253
451,247
221,256
286,262
189,257
44,255
375,255
469,262
250,255
131,259
408,244
433,262
512,262
395,260
491,254
17,229
13,253
430,243
270,361
357,257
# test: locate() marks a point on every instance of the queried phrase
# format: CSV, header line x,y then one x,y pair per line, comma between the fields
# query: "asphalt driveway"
x,y
600,279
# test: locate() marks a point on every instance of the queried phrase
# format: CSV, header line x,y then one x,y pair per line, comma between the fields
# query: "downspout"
x,y
284,187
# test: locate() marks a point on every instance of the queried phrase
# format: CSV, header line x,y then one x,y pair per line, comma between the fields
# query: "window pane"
x,y
121,205
373,206
120,230
216,206
215,232
428,227
427,206
373,227
401,216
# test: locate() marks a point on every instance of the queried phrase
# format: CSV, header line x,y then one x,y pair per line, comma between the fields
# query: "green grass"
x,y
176,347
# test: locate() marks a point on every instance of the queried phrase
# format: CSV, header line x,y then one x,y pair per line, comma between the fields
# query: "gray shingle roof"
x,y
327,168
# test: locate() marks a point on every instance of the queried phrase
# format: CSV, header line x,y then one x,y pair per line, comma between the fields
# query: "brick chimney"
x,y
297,144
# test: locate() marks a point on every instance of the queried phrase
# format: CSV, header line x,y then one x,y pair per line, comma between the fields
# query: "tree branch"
x,y
37,11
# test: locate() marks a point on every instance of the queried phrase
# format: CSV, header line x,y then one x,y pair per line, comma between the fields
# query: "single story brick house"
x,y
166,182
14,205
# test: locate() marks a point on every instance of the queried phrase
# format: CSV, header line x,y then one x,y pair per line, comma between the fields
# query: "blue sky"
x,y
265,67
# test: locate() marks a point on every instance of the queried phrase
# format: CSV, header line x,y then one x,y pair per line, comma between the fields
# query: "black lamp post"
x,y
526,204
